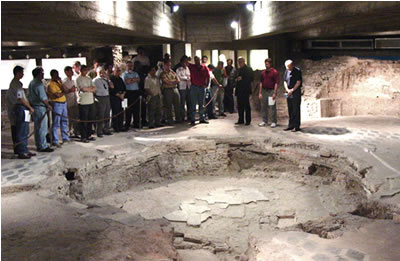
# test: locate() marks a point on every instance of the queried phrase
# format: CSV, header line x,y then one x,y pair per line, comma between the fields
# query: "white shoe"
x,y
262,124
273,125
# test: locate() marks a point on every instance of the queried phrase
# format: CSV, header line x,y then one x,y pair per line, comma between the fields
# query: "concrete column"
x,y
166,48
177,51
117,54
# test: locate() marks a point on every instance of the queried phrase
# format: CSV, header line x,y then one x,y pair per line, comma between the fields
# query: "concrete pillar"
x,y
117,54
166,48
177,51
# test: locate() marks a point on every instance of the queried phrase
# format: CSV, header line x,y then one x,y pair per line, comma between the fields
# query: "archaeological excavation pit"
x,y
232,199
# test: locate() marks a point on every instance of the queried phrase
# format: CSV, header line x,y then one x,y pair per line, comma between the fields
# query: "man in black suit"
x,y
243,91
292,81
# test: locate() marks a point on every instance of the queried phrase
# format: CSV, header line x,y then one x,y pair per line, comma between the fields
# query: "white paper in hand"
x,y
271,102
124,103
27,116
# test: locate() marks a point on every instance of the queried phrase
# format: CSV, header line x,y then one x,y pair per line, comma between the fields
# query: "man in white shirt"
x,y
103,85
86,101
183,73
77,69
141,57
72,102
153,89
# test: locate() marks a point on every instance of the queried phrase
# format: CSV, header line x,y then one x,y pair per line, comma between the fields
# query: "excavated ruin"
x,y
216,195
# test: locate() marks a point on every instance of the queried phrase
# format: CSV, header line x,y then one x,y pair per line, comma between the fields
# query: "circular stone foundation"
x,y
218,195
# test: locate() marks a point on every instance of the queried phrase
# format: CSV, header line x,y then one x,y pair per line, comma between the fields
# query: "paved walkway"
x,y
371,143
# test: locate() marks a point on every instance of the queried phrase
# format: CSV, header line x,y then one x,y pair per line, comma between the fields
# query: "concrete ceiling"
x,y
209,7
59,24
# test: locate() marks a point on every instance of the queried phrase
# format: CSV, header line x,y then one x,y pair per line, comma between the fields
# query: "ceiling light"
x,y
27,56
250,6
234,24
175,8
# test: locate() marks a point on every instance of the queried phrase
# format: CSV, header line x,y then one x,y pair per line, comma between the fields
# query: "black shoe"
x,y
108,133
239,123
84,141
48,149
151,127
91,139
296,129
247,123
222,115
159,125
100,135
204,121
31,154
124,129
288,129
192,123
212,117
24,156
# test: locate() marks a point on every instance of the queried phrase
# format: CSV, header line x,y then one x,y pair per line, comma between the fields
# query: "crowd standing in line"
x,y
152,96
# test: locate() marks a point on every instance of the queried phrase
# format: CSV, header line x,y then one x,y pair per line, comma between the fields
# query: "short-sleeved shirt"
x,y
131,74
143,59
199,74
219,75
14,93
168,76
102,86
269,78
291,77
53,88
72,97
85,98
37,93
184,75
153,85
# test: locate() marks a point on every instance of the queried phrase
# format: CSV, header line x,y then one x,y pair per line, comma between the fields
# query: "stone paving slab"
x,y
31,171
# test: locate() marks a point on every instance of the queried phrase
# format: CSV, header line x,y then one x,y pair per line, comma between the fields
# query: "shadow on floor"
x,y
325,130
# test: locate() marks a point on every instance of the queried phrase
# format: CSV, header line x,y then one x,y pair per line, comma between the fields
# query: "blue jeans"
x,y
197,97
60,108
40,130
22,130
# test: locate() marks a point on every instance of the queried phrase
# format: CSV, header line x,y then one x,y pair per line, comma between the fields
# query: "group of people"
x,y
142,95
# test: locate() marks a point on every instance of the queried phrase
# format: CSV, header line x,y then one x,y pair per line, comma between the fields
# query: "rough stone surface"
x,y
196,255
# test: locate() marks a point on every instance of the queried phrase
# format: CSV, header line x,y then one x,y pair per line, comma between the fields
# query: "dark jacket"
x,y
243,87
292,77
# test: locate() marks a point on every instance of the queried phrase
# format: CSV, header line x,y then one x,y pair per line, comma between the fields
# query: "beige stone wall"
x,y
348,86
